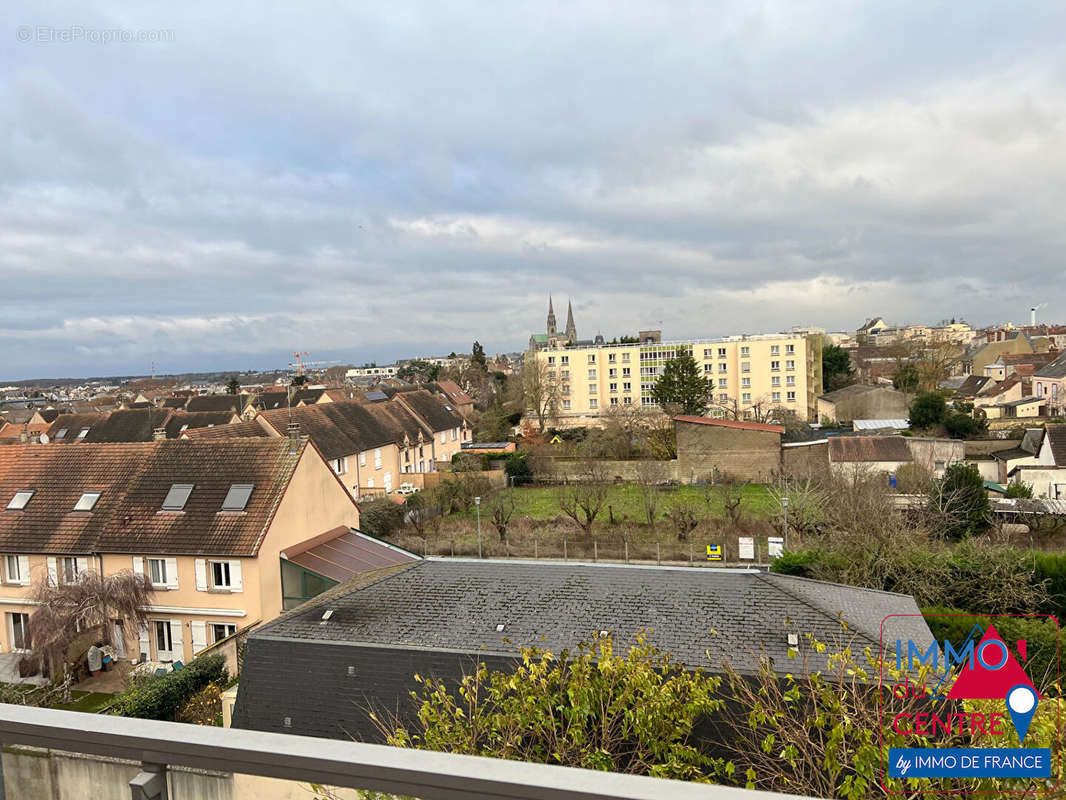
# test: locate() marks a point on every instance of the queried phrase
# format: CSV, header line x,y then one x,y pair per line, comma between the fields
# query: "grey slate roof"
x,y
1056,369
701,616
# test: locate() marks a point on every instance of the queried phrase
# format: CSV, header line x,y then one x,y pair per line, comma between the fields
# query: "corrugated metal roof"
x,y
343,552
879,424
868,448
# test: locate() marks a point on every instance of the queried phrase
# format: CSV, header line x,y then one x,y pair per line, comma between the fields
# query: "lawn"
x,y
89,702
541,502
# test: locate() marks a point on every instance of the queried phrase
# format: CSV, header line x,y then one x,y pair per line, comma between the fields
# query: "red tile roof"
x,y
134,478
732,423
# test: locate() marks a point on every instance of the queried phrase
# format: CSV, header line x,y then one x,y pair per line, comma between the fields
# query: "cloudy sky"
x,y
372,180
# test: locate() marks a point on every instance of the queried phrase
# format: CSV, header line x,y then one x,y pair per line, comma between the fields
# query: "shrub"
x,y
1018,488
204,707
797,563
380,518
1041,635
517,465
928,409
960,500
963,426
164,696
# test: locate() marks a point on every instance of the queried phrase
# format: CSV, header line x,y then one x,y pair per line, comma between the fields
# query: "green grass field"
x,y
541,502
89,702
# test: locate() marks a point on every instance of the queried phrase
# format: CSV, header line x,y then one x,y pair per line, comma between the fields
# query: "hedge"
x,y
1041,635
163,696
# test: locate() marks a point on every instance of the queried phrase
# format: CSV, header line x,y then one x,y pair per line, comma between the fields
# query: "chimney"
x,y
159,434
24,437
35,437
294,436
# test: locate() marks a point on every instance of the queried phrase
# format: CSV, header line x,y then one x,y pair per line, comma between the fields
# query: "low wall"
x,y
32,772
569,469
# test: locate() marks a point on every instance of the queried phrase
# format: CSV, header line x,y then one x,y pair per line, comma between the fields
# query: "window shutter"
x,y
201,574
138,565
145,648
53,571
199,635
82,565
236,584
172,573
24,570
177,648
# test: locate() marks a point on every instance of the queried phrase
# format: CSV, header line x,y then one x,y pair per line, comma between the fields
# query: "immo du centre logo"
x,y
930,713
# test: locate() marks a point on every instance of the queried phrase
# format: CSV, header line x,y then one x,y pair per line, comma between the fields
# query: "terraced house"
x,y
209,522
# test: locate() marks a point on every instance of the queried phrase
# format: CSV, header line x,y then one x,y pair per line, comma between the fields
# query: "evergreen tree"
x,y
836,367
233,386
928,409
477,357
682,386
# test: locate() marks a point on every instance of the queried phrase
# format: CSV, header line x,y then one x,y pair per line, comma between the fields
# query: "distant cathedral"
x,y
551,338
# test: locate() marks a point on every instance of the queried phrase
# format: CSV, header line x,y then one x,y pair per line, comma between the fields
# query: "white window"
x,y
164,640
775,350
721,352
551,360
83,433
370,483
775,380
612,373
745,352
745,366
221,575
220,630
790,364
68,570
17,570
163,573
745,398
790,349
237,497
708,367
593,403
775,366
627,386
592,388
362,459
723,383
564,360
745,383
19,501
592,374
791,397
566,405
340,465
592,358
722,367
388,481
614,401
177,497
625,357
776,397
443,437
610,358
707,352
61,433
627,401
723,398
790,380
19,625
455,434
614,388
377,458
87,501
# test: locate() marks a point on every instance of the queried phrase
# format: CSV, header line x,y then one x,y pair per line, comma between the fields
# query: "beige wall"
x,y
743,454
593,379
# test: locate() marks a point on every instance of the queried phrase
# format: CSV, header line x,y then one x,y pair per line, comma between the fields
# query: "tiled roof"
x,y
732,423
454,392
74,424
134,479
853,390
438,413
703,617
864,449
129,425
215,402
349,427
1056,369
307,396
972,385
190,420
175,402
1056,435
237,430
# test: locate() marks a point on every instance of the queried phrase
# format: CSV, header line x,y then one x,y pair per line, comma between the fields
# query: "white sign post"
x,y
775,546
747,548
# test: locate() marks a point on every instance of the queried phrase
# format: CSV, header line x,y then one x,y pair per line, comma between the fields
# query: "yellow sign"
x,y
714,552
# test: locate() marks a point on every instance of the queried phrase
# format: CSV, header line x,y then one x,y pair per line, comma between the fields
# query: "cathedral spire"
x,y
551,318
571,328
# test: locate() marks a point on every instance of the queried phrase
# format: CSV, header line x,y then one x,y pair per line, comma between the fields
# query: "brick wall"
x,y
745,454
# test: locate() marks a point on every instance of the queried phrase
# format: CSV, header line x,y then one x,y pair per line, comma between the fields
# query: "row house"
x,y
208,522
131,425
1049,383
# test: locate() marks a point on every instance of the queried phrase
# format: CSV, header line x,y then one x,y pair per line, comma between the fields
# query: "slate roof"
x,y
128,425
1056,369
237,430
1056,436
49,414
845,392
134,478
307,396
74,423
436,412
972,385
215,402
731,423
272,400
190,420
175,402
863,449
695,614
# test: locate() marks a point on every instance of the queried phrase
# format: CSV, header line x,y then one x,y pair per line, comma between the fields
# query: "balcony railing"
x,y
156,746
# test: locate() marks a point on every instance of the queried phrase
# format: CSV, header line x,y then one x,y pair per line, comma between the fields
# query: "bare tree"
x,y
421,508
66,610
502,506
728,492
584,499
650,474
685,515
540,391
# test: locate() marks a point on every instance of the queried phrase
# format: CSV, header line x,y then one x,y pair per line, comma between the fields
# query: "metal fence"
x,y
157,746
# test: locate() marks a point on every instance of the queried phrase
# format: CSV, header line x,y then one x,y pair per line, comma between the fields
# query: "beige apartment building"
x,y
750,374
208,522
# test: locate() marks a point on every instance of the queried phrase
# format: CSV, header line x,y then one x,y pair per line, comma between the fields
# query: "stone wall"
x,y
805,461
742,453
571,469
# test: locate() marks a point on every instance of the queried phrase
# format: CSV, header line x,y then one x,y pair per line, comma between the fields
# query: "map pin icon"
x,y
1021,703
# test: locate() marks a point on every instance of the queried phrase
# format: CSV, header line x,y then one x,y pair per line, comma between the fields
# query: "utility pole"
x,y
477,508
784,507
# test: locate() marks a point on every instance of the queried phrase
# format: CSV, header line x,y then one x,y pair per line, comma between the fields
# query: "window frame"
x,y
176,489
88,500
228,502
29,496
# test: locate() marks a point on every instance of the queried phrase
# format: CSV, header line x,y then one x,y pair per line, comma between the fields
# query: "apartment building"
x,y
749,373
207,521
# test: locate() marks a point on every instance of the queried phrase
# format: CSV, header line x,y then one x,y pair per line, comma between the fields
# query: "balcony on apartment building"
x,y
102,755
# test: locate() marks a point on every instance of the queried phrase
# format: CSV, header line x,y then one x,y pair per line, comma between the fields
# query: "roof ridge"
x,y
837,617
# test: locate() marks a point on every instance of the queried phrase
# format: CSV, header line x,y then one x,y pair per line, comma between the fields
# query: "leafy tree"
x,y
836,367
477,357
634,712
233,386
906,378
418,368
380,517
961,499
1018,488
963,426
682,386
928,409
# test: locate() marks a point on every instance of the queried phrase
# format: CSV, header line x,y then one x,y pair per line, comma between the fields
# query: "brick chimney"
x,y
294,436
159,434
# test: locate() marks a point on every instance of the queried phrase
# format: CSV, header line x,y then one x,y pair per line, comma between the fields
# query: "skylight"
x,y
61,433
18,502
237,497
87,501
82,433
177,497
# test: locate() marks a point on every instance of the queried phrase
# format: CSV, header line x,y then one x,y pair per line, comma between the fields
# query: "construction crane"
x,y
299,364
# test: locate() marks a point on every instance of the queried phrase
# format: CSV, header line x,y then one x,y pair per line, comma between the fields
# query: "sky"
x,y
212,186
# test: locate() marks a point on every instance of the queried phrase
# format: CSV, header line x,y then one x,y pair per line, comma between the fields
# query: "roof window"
x,y
61,433
82,433
87,501
177,497
237,497
18,502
